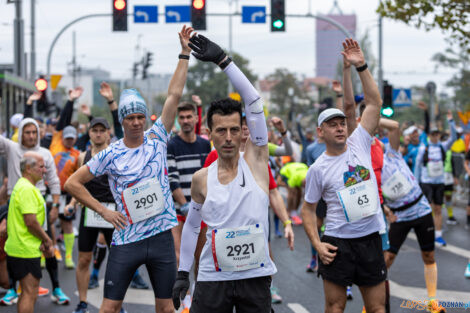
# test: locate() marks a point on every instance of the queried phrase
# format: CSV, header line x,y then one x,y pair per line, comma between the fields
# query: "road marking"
x,y
297,308
415,293
450,248
133,296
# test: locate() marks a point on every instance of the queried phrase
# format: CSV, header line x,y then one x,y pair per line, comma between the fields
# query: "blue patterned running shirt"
x,y
126,167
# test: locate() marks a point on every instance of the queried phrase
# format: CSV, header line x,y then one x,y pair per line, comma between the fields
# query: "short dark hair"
x,y
186,106
225,106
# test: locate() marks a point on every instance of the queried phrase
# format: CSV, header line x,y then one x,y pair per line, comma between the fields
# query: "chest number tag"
x,y
396,187
435,168
359,201
143,200
93,219
238,249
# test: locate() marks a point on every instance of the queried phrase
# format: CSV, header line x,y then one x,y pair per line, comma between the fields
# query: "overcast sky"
x,y
407,51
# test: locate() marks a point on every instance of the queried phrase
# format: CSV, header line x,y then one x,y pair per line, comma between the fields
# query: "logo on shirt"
x,y
243,183
355,175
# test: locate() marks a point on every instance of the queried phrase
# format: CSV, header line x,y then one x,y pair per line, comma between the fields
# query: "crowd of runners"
x,y
197,198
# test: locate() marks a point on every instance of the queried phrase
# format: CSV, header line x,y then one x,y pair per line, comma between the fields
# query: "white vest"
x,y
240,203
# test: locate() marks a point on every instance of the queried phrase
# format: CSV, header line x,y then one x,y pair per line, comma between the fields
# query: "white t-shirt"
x,y
330,174
126,167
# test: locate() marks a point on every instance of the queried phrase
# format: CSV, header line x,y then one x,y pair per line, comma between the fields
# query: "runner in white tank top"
x,y
231,196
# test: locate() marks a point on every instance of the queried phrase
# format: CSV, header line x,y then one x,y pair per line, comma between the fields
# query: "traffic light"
x,y
146,63
153,117
135,70
387,104
40,84
278,15
198,14
119,15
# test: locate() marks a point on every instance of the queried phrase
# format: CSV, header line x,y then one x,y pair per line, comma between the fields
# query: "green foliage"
x,y
285,104
207,81
460,82
448,15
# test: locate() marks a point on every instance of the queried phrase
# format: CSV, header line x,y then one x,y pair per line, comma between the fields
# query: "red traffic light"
x,y
153,117
40,84
119,4
198,4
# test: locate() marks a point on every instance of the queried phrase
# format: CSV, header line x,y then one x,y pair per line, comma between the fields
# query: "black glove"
x,y
180,288
206,50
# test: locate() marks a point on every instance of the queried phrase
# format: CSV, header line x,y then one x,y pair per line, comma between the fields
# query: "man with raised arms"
x,y
350,251
231,196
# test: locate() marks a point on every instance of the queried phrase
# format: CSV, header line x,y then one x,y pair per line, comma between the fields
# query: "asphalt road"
x,y
303,292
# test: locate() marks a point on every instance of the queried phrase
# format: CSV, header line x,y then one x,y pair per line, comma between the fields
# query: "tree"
x,y
448,15
205,80
287,94
460,82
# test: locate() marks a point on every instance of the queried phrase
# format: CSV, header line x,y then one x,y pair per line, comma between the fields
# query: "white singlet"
x,y
240,205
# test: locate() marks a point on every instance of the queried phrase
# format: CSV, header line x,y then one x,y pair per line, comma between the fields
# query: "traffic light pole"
x,y
309,15
51,48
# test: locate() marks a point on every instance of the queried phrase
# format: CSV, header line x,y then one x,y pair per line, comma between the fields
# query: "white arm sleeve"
x,y
253,105
191,229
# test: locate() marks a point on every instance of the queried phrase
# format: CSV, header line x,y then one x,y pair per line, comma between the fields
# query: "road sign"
x,y
253,14
402,97
178,13
55,79
145,14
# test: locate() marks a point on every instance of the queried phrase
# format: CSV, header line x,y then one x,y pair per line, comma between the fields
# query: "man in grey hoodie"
x,y
28,140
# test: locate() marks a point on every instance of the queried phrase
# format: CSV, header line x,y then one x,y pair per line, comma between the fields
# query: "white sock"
x,y
438,233
187,302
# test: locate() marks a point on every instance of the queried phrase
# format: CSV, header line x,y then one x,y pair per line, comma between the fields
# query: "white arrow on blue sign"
x,y
401,97
145,14
177,14
253,14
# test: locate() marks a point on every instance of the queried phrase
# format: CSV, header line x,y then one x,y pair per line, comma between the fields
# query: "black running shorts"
x,y
434,193
18,268
423,227
251,295
158,255
358,261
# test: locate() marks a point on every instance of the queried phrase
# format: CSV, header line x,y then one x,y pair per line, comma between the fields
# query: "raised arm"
x,y
285,150
67,111
256,148
28,108
107,93
393,128
175,89
453,132
349,106
370,118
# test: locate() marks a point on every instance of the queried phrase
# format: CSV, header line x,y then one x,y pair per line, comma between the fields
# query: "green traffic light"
x,y
278,24
387,112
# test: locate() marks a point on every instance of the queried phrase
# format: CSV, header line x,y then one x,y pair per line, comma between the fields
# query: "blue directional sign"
x,y
145,14
178,14
253,14
401,97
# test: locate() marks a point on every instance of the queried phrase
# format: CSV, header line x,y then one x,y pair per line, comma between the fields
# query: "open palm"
x,y
352,52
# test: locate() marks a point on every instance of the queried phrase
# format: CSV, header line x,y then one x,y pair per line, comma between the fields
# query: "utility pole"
x,y
381,84
18,29
33,41
74,60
